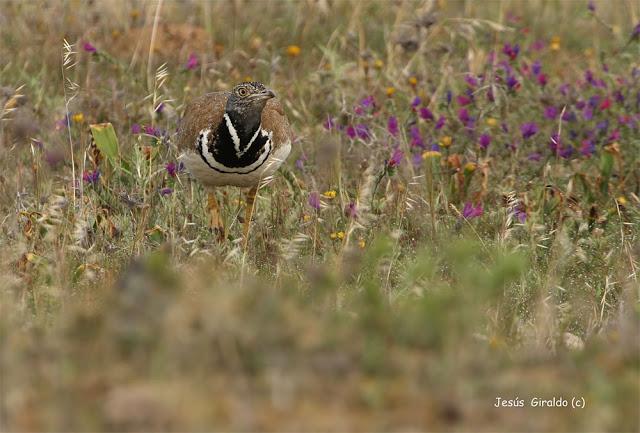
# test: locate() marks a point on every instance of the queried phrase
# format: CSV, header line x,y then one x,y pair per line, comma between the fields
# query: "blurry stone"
x,y
138,407
22,123
572,341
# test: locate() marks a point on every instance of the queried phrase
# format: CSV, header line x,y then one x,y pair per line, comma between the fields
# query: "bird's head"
x,y
248,99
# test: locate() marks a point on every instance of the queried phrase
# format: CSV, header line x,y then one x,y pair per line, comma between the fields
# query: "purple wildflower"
x,y
329,124
426,114
160,108
151,130
587,113
511,50
396,158
392,126
136,129
362,131
542,79
368,102
314,200
603,125
469,211
89,48
416,102
512,82
485,141
536,67
463,100
416,138
520,214
463,115
165,191
635,34
588,76
618,96
91,177
62,123
538,45
591,6
615,135
534,156
351,132
587,147
440,123
554,143
449,96
551,112
351,210
471,80
528,129
172,168
416,159
569,116
192,62
300,162
566,152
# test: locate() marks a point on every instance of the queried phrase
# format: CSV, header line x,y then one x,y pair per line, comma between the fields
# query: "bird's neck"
x,y
243,124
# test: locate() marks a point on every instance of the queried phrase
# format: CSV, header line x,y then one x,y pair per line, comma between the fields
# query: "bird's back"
x,y
206,111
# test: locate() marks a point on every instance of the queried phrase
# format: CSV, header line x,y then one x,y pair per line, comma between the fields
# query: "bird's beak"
x,y
266,94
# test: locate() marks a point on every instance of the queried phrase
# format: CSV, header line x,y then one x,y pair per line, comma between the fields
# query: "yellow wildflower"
x,y
337,235
413,81
446,141
621,200
256,42
391,91
430,154
588,53
248,78
293,51
491,121
134,14
378,64
495,342
362,244
306,218
78,118
470,167
329,194
555,43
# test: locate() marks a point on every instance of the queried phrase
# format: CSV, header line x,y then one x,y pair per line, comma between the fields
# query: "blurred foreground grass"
x,y
401,273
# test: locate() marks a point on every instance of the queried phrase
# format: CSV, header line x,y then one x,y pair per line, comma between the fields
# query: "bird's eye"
x,y
242,92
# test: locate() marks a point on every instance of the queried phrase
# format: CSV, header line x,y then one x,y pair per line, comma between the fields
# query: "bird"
x,y
236,138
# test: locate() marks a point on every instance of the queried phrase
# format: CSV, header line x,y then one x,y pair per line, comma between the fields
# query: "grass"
x,y
402,271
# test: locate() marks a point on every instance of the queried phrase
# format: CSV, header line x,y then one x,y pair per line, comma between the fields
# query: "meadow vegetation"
x,y
458,219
